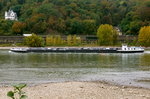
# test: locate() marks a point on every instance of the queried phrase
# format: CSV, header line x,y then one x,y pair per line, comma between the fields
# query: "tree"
x,y
37,24
48,10
21,1
106,35
89,27
134,27
39,27
17,9
74,26
34,41
5,27
144,36
1,5
18,27
143,10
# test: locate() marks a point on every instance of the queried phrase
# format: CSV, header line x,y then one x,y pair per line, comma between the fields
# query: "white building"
x,y
10,15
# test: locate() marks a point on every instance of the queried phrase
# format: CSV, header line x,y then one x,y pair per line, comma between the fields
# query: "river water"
x,y
35,68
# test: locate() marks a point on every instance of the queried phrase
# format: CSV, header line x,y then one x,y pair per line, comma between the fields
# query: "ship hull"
x,y
74,50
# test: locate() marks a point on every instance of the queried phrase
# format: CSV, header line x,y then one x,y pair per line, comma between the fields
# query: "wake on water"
x,y
147,52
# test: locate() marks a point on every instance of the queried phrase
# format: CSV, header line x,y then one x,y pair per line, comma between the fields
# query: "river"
x,y
36,68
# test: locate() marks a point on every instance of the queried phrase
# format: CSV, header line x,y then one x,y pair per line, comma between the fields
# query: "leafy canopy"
x,y
144,36
75,16
106,35
34,41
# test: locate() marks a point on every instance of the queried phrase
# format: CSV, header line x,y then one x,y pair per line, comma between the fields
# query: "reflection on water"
x,y
52,67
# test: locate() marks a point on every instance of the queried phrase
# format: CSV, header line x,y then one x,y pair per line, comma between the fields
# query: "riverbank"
x,y
81,90
7,48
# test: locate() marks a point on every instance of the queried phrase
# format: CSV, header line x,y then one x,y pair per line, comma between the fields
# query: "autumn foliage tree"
x,y
106,35
144,36
18,28
36,24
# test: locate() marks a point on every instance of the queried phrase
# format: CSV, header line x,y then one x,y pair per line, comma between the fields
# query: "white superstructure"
x,y
126,48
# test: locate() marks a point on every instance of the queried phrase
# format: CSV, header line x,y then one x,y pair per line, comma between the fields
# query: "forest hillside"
x,y
73,16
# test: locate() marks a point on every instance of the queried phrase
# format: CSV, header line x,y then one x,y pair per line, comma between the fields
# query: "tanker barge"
x,y
123,49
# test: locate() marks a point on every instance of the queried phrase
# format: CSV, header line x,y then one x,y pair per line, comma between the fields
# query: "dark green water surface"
x,y
35,68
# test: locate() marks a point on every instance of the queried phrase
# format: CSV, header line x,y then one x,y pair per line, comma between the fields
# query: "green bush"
x,y
34,41
54,40
69,40
74,40
17,93
78,40
49,40
59,40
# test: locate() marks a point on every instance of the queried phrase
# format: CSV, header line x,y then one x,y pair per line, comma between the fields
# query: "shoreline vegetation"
x,y
106,36
76,90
